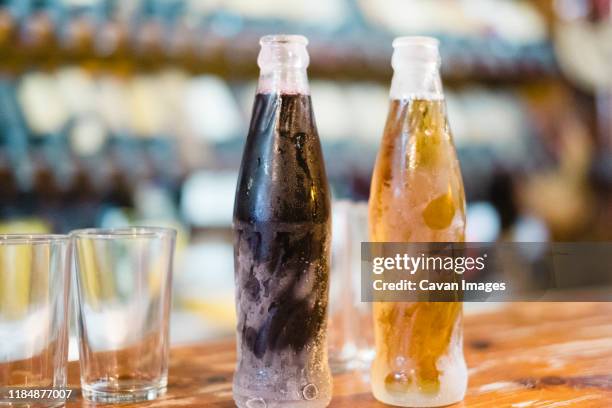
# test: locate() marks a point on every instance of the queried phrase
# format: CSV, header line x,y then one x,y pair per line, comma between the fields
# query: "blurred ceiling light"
x,y
111,100
88,136
514,21
489,118
153,202
483,223
80,3
584,52
43,107
572,9
77,90
368,105
330,110
318,12
212,110
147,113
530,229
401,16
208,198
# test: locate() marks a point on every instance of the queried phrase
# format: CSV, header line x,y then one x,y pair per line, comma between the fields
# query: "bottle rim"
x,y
415,50
413,40
283,39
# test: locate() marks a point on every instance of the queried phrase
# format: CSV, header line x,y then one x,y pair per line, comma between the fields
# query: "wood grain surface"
x,y
544,355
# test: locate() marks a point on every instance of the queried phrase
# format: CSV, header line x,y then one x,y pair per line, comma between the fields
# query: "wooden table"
x,y
526,355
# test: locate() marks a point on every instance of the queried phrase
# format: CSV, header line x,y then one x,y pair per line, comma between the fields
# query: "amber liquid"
x,y
417,196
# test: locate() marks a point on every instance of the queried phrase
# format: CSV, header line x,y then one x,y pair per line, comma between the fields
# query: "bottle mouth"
x,y
282,52
415,49
416,41
283,39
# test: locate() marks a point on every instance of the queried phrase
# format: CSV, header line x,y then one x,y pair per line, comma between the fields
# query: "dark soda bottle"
x,y
282,241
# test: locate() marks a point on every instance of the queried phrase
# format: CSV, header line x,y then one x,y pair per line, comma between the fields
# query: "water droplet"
x,y
256,403
310,392
397,382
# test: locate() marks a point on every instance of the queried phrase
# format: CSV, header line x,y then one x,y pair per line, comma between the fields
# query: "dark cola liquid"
x,y
282,241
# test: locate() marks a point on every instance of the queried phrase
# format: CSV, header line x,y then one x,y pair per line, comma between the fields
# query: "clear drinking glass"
x,y
34,292
342,324
123,280
350,334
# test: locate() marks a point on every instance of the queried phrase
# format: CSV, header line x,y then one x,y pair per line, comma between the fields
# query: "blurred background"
x,y
135,112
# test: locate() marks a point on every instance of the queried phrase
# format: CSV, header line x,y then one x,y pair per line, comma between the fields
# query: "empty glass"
x,y
343,324
350,336
34,291
123,280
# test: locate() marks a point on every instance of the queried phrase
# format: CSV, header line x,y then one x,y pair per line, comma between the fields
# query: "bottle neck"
x,y
290,80
283,60
417,81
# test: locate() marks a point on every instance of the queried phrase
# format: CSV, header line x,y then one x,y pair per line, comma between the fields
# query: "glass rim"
x,y
123,232
283,39
34,238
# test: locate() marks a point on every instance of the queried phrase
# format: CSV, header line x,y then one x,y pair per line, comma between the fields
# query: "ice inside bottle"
x,y
282,241
417,196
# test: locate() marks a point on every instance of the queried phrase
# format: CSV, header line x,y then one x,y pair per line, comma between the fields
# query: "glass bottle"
x,y
282,241
417,196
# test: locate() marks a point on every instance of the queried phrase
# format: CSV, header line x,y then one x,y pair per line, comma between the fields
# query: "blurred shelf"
x,y
352,54
367,56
